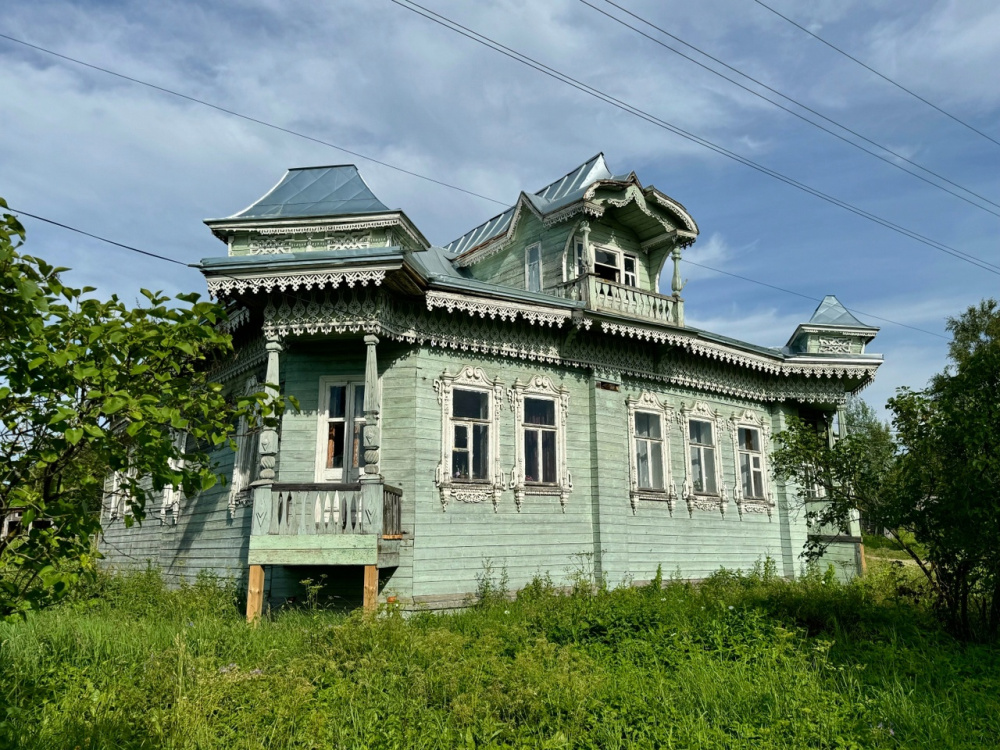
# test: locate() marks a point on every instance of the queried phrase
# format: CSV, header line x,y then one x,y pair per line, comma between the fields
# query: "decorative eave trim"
x,y
495,308
812,368
237,318
247,358
292,226
580,207
669,203
497,242
224,286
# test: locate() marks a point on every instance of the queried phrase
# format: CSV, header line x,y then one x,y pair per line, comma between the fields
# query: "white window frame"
x,y
635,273
171,502
649,403
700,412
118,503
246,459
749,419
347,474
540,387
469,491
620,256
527,267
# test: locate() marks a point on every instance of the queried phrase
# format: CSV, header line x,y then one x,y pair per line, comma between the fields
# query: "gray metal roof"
x,y
316,191
562,192
831,313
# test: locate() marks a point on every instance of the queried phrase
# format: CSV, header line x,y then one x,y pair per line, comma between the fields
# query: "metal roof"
x,y
831,313
316,191
562,192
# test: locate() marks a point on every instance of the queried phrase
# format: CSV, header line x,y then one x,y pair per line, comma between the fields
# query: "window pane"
x,y
606,258
758,484
697,471
357,446
748,439
359,402
579,259
531,456
548,456
540,411
460,465
335,446
629,264
647,425
337,401
534,269
642,462
480,451
470,404
656,465
700,432
745,478
709,455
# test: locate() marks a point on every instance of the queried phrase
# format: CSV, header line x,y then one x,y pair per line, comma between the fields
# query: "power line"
x,y
809,297
249,118
797,103
691,262
659,122
880,75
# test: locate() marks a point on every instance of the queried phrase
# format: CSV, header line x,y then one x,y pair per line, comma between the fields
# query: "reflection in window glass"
x,y
649,450
702,457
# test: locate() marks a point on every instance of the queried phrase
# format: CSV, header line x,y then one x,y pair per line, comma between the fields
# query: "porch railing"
x,y
609,296
328,508
392,502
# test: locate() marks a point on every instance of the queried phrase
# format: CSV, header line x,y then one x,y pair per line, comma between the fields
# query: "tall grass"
x,y
740,661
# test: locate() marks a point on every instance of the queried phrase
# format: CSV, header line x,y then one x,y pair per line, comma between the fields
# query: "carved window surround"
x,y
473,379
493,308
648,402
697,501
760,423
540,387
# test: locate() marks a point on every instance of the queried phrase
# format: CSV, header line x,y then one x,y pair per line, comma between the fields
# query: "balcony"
x,y
326,524
618,299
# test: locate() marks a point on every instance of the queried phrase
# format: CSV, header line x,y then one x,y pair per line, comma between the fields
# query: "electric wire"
x,y
884,77
690,262
249,118
659,122
797,103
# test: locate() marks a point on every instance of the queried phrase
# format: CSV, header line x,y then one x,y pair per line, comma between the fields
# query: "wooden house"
x,y
527,397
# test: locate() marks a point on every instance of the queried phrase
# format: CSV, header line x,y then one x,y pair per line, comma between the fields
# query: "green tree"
x,y
90,388
936,481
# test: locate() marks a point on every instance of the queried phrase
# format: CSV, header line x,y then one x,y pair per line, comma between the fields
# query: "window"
x,y
342,418
751,463
579,257
469,470
649,450
539,440
540,468
533,267
703,478
606,264
630,276
470,455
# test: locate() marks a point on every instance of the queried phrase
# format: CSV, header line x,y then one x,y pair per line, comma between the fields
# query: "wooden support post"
x,y
371,588
255,593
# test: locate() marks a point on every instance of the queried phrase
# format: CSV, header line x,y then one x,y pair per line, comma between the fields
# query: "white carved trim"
x,y
757,421
700,411
236,319
497,309
246,459
247,358
834,345
223,286
648,402
472,378
542,387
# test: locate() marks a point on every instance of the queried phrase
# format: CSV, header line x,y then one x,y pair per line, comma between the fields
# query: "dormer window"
x,y
533,267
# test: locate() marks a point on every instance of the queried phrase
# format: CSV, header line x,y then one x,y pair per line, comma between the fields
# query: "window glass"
x,y
338,401
700,432
580,267
481,451
548,456
335,446
631,277
605,257
656,466
540,411
751,465
749,440
534,268
647,425
531,456
470,404
702,457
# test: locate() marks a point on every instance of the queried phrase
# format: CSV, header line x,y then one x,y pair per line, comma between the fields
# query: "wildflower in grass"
x,y
256,671
731,607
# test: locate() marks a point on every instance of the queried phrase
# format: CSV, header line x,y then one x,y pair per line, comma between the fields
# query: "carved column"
x,y
371,408
269,435
677,286
588,256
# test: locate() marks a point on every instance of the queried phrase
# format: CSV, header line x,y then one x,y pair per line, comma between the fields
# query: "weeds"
x,y
742,660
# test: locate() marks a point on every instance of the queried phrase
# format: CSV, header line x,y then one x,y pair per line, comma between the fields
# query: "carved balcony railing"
x,y
392,522
609,296
327,508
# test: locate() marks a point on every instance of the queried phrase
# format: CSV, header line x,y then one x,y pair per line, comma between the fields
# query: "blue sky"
x,y
144,168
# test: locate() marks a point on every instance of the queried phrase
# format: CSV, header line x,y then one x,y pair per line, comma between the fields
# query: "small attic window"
x,y
533,267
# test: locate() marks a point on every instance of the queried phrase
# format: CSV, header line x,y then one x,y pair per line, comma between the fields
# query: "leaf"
x,y
74,435
114,404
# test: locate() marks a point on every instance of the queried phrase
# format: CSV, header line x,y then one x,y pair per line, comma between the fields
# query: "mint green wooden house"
x,y
526,397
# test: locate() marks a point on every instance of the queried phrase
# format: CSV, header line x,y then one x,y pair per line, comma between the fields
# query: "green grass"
x,y
740,661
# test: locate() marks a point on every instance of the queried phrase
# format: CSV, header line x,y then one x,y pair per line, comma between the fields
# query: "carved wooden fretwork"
x,y
346,227
648,402
247,358
236,318
749,418
223,286
696,501
245,460
268,245
493,309
540,386
471,378
834,345
350,312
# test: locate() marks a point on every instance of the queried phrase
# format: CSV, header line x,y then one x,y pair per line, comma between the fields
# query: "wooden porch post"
x,y
371,588
255,593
